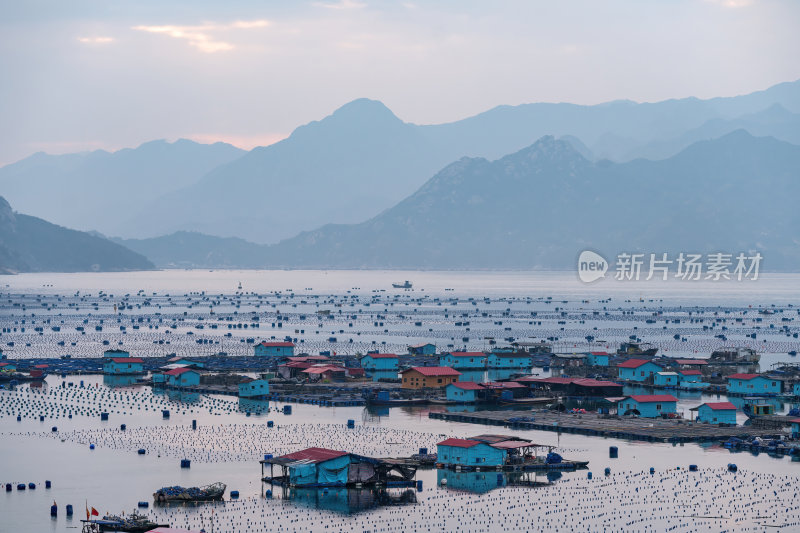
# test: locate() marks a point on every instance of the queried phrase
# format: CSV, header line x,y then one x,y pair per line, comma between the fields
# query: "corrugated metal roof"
x,y
690,372
745,377
468,354
313,455
635,363
720,406
467,385
179,371
381,355
650,398
127,360
459,443
277,344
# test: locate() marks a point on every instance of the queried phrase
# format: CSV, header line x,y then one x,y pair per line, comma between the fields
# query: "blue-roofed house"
x,y
463,360
638,370
754,384
716,413
380,361
317,467
254,389
465,392
520,360
648,405
597,358
120,366
186,362
422,349
274,349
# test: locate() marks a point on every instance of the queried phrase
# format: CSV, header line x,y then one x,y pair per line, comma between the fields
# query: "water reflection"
x,y
255,407
482,482
119,381
345,500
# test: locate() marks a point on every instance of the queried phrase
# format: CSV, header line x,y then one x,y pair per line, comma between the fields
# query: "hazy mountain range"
x,y
354,164
30,244
539,207
524,186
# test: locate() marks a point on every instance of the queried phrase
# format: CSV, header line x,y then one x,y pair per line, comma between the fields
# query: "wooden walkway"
x,y
646,429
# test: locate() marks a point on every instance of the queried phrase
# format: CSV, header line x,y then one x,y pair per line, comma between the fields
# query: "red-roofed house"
x,y
638,370
754,385
420,377
182,377
274,349
648,405
325,372
122,366
716,413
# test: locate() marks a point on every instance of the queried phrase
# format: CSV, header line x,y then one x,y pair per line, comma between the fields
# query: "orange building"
x,y
419,377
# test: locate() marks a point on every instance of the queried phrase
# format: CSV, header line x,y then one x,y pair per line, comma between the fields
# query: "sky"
x,y
107,74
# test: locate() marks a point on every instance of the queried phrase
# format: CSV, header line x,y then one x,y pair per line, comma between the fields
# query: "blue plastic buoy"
x,y
419,485
607,471
47,484
652,470
32,486
423,451
19,418
234,494
54,429
69,509
732,467
287,409
8,487
123,427
186,463
91,446
613,452
351,423
165,413
141,451
41,418
54,510
270,423
269,493
144,505
692,468
194,424
21,486
103,416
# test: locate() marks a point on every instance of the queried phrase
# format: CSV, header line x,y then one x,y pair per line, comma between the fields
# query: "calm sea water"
x,y
113,477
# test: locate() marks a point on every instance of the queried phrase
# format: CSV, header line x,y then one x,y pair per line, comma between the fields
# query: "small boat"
x,y
133,523
405,285
637,349
190,494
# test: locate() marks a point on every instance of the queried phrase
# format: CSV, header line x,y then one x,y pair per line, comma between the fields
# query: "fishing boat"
x,y
190,494
637,349
134,523
735,355
405,285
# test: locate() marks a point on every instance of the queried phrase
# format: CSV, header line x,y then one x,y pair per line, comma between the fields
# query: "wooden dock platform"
x,y
645,429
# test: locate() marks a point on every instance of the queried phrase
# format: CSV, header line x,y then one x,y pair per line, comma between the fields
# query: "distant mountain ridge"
x,y
538,208
30,244
99,189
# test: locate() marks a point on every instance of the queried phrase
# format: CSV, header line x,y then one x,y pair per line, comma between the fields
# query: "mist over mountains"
x,y
524,186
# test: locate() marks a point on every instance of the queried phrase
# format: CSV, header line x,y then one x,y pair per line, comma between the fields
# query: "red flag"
x,y
94,512
88,516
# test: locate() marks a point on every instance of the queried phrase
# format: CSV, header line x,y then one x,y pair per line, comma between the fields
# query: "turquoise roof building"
x,y
464,391
666,379
120,366
274,349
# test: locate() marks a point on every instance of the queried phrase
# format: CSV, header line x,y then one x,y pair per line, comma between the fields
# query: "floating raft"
x,y
646,429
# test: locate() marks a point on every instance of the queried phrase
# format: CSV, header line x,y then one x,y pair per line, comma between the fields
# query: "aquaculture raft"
x,y
646,429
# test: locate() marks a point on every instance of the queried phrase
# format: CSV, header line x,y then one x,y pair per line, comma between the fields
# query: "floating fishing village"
x,y
295,410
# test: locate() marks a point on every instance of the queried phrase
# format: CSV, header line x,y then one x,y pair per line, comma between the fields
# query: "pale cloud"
x,y
205,37
96,40
341,4
732,3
